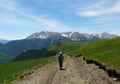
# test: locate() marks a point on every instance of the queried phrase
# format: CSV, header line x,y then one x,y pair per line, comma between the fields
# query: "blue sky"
x,y
20,18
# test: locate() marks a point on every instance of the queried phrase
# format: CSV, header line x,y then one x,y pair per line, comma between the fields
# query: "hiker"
x,y
60,59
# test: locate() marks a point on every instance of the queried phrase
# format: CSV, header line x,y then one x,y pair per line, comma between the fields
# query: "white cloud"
x,y
89,13
8,5
14,21
105,20
99,12
18,17
116,31
13,14
47,24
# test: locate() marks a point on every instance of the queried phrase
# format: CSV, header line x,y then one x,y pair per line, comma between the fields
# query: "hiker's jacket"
x,y
60,56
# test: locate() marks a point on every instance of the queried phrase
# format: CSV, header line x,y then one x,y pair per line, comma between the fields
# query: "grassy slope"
x,y
16,70
105,51
34,54
5,58
66,47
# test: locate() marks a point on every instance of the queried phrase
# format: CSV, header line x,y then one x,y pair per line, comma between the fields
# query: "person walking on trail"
x,y
60,59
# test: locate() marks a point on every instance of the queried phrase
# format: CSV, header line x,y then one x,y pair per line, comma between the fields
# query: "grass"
x,y
17,70
5,58
66,47
104,51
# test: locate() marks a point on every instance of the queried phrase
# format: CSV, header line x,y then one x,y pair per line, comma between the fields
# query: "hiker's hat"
x,y
60,52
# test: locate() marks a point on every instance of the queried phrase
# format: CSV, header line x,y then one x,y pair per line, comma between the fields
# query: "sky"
x,y
21,18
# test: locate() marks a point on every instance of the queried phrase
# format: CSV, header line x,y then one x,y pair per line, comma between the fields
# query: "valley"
x,y
34,34
31,62
48,39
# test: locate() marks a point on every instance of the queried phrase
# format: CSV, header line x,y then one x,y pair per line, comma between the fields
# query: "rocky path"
x,y
76,71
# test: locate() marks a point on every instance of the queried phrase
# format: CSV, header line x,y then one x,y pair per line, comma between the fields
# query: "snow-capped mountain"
x,y
42,35
74,36
107,35
48,39
19,46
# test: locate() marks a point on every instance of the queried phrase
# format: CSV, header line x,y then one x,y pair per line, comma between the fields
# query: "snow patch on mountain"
x,y
74,36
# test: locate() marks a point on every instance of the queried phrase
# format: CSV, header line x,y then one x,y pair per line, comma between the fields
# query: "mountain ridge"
x,y
3,41
16,47
74,36
47,39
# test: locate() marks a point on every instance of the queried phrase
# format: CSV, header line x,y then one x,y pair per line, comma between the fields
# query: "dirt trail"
x,y
76,71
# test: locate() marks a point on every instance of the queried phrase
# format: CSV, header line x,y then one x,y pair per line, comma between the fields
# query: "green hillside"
x,y
5,58
67,47
17,69
105,51
36,53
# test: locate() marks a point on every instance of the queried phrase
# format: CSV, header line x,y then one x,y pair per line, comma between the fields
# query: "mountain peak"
x,y
105,35
42,35
75,36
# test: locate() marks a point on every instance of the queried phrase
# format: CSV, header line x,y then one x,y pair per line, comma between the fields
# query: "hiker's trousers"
x,y
60,62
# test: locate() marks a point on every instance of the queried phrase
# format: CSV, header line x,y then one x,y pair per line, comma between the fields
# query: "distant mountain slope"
x,y
66,47
5,58
74,36
1,45
18,46
4,41
42,35
33,54
106,35
47,39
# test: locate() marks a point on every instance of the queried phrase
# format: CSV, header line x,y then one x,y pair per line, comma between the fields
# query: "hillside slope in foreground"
x,y
76,71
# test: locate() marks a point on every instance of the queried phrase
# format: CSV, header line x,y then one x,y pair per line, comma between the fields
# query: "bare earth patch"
x,y
76,71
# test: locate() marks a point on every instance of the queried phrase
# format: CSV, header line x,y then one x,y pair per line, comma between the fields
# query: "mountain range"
x,y
47,39
74,36
4,41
